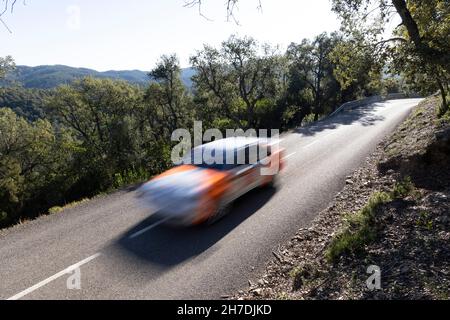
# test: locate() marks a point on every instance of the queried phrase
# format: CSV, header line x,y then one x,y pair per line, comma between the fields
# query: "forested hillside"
x,y
45,77
27,103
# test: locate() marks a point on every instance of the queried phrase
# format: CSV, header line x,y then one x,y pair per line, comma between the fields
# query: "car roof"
x,y
232,143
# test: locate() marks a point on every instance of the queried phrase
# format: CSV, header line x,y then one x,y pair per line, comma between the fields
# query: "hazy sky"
x,y
132,34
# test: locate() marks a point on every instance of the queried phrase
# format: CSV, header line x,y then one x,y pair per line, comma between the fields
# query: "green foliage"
x,y
425,220
55,210
101,117
308,119
312,83
357,69
391,85
29,155
6,65
50,77
419,46
445,117
402,188
3,216
360,228
130,176
168,95
27,103
236,81
103,134
245,84
58,209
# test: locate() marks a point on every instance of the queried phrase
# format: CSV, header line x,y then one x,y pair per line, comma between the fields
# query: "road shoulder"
x,y
391,217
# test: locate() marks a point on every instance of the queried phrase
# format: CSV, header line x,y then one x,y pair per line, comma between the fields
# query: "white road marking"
x,y
293,153
134,235
289,155
310,144
54,277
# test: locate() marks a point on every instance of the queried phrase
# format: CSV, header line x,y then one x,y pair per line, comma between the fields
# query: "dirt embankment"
x,y
393,215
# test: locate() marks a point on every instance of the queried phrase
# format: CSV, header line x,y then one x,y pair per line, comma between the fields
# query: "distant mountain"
x,y
46,77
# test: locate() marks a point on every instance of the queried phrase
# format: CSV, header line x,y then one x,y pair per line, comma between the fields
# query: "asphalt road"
x,y
122,253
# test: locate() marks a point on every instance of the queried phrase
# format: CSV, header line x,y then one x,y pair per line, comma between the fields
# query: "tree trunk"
x,y
408,21
445,106
430,54
316,116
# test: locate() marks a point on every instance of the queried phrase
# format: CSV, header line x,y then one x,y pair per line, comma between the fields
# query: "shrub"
x,y
359,230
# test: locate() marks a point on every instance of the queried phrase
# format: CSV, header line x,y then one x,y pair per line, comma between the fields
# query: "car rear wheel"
x,y
221,211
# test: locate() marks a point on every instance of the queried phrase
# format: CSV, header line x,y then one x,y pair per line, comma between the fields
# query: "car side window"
x,y
263,151
251,154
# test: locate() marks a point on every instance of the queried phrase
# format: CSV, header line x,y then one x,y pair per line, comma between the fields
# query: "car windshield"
x,y
212,159
222,159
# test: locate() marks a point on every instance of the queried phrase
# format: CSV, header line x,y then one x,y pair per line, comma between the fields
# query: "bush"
x,y
360,228
129,177
403,188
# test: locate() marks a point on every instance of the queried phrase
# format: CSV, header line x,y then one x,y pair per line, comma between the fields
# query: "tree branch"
x,y
231,5
391,40
7,5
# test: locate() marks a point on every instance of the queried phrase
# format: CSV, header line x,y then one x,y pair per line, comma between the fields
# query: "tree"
x,y
234,82
166,106
28,103
419,44
357,68
6,65
168,93
99,138
29,162
100,114
429,37
312,69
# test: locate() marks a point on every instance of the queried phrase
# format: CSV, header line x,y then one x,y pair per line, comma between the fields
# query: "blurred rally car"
x,y
210,178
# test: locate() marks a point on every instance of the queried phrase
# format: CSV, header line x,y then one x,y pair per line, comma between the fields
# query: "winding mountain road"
x,y
119,251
